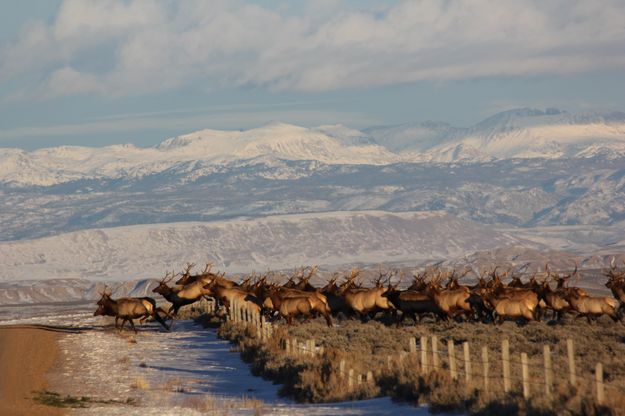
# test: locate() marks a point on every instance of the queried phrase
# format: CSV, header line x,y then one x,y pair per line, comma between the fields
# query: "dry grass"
x,y
367,347
140,383
211,405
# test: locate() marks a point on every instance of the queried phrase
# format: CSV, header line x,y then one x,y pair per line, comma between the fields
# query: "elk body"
x,y
510,307
414,304
186,295
128,309
555,300
289,307
593,307
366,301
228,295
452,302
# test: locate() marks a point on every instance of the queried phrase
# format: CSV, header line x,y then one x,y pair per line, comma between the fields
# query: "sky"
x,y
94,73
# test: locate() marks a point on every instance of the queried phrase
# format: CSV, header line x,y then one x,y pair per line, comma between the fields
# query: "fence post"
x,y
485,366
424,355
342,368
452,359
526,375
287,346
599,381
294,346
359,378
350,380
548,370
435,357
369,377
412,345
505,357
388,362
467,362
571,355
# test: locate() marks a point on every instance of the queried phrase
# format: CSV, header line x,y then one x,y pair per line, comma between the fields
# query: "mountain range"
x,y
520,133
331,195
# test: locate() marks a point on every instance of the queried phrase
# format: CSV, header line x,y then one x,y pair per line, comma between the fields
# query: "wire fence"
x,y
504,372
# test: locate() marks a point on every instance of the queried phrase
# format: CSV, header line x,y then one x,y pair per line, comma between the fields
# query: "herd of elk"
x,y
435,293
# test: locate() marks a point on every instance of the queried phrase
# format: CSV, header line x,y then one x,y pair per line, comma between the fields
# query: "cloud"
x,y
150,46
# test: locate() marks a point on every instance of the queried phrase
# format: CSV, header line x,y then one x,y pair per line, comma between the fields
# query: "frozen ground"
x,y
185,371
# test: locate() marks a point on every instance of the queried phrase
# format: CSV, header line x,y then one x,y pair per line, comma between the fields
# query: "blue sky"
x,y
103,72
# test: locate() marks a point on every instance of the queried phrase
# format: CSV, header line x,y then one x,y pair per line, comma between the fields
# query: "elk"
x,y
616,283
367,300
318,301
452,302
592,307
288,307
187,295
507,307
336,302
555,300
228,295
414,304
187,278
128,309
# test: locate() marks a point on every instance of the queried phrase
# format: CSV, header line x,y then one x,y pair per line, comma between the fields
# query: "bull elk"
x,y
365,301
128,309
453,302
187,295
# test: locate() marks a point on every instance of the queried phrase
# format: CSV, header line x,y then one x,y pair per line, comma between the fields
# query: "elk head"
x,y
162,288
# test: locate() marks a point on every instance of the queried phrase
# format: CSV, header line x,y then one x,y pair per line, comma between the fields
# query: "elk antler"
x,y
207,268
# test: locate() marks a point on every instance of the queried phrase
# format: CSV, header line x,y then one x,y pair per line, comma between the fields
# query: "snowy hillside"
x,y
519,133
146,251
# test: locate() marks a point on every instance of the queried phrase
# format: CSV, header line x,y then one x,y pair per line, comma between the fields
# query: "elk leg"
x,y
132,325
122,327
116,318
328,319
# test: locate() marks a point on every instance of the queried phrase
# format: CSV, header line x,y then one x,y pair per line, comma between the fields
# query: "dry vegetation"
x,y
368,346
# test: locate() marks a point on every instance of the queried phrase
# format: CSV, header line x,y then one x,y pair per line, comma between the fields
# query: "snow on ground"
x,y
187,371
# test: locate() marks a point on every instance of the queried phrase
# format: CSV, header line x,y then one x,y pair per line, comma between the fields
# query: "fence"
x,y
475,367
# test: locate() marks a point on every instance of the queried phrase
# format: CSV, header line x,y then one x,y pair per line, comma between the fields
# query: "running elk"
x,y
128,309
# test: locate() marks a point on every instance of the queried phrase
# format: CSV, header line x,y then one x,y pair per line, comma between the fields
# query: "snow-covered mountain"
x,y
521,133
518,133
326,144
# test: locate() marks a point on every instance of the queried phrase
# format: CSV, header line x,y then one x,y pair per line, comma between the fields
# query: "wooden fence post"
x,y
467,362
369,377
388,362
350,380
571,356
548,370
452,359
599,382
424,355
342,368
359,378
526,375
505,357
435,357
412,345
485,367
